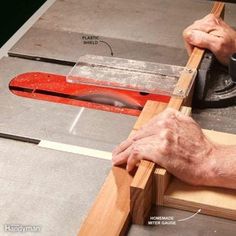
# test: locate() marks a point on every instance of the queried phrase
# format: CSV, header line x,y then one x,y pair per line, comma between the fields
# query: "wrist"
x,y
221,167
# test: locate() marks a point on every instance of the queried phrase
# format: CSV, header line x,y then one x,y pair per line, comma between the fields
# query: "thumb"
x,y
188,46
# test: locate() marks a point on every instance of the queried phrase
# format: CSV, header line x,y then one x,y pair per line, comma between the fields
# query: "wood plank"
x,y
110,213
211,200
161,182
220,137
186,110
141,196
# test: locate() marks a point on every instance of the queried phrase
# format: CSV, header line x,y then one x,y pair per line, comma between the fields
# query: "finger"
x,y
123,145
143,149
203,40
122,157
188,47
217,33
132,161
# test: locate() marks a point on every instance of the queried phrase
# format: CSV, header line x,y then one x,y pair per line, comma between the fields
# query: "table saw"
x,y
54,189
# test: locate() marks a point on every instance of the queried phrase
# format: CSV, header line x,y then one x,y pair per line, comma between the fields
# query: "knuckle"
x,y
135,152
165,148
163,124
165,133
166,137
135,137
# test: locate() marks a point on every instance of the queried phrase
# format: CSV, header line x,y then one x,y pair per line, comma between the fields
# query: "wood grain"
x,y
161,181
110,213
141,193
211,200
220,137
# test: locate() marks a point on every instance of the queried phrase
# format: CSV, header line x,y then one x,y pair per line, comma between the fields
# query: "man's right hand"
x,y
214,34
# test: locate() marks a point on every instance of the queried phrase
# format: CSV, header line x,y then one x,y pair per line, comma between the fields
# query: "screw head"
x,y
189,70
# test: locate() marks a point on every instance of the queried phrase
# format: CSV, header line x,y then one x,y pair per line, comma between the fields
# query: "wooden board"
x,y
161,181
110,213
141,196
220,137
211,200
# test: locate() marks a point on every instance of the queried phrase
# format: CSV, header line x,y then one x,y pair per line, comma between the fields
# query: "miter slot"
x,y
19,138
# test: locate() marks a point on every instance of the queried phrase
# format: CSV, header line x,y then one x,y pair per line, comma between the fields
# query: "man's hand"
x,y
173,141
214,34
177,143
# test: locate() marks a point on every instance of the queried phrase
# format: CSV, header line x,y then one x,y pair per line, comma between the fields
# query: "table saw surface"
x,y
55,189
